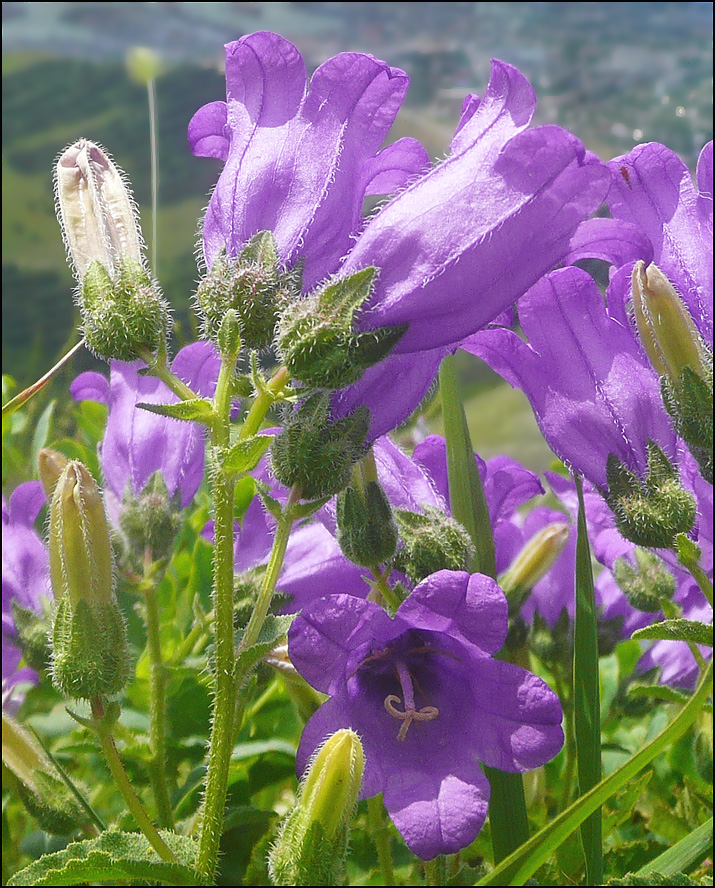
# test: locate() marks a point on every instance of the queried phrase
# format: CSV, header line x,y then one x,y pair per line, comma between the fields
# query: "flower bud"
x,y
50,465
89,641
254,286
533,562
312,845
646,583
653,512
367,532
316,340
432,541
42,790
150,520
315,454
680,357
666,329
143,64
122,309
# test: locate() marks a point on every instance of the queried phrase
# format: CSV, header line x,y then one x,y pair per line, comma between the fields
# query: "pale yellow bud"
x,y
50,465
666,329
536,558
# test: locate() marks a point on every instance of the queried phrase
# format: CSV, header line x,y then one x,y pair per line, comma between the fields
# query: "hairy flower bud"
x,y
653,512
44,793
315,454
89,641
316,339
150,520
312,845
432,541
367,532
254,286
533,562
122,309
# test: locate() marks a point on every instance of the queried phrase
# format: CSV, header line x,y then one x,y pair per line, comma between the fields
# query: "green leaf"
x,y
526,860
507,807
272,631
111,857
271,504
684,855
42,431
245,454
342,297
587,705
677,630
192,410
652,878
663,692
625,802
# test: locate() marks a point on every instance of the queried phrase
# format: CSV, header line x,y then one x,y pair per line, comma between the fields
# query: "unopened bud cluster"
x,y
122,309
151,520
313,842
316,455
431,541
652,512
647,583
90,656
367,531
254,286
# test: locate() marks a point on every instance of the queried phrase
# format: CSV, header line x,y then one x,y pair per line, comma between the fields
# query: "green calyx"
x,y
432,541
90,652
367,532
316,339
647,583
150,520
254,286
689,400
124,314
317,455
649,513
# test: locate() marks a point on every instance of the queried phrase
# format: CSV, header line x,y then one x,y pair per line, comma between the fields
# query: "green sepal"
x,y
272,505
689,401
150,520
689,552
432,541
245,454
341,298
114,857
229,336
90,649
262,249
691,631
653,512
317,455
273,630
192,410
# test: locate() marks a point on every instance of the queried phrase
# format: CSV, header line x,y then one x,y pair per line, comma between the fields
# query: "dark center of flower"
x,y
410,712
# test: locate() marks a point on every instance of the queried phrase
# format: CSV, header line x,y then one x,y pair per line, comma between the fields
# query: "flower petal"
x,y
207,131
90,386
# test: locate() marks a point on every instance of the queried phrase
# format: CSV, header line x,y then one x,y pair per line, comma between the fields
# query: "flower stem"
x,y
24,396
391,597
263,402
131,799
376,818
157,706
159,369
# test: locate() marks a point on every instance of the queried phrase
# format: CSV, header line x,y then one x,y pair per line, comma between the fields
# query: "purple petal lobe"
x,y
472,608
207,131
613,240
90,386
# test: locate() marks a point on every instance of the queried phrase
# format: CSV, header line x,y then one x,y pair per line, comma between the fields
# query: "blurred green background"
x,y
615,74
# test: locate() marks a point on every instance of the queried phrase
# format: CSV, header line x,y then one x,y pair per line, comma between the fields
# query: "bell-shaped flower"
x,y
25,573
300,156
137,443
428,700
592,390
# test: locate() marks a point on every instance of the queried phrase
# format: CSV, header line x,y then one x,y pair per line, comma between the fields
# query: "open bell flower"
x,y
428,700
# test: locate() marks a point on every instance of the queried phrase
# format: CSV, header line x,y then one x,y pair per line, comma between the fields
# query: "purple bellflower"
x,y
25,573
300,157
453,249
589,383
138,443
428,700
